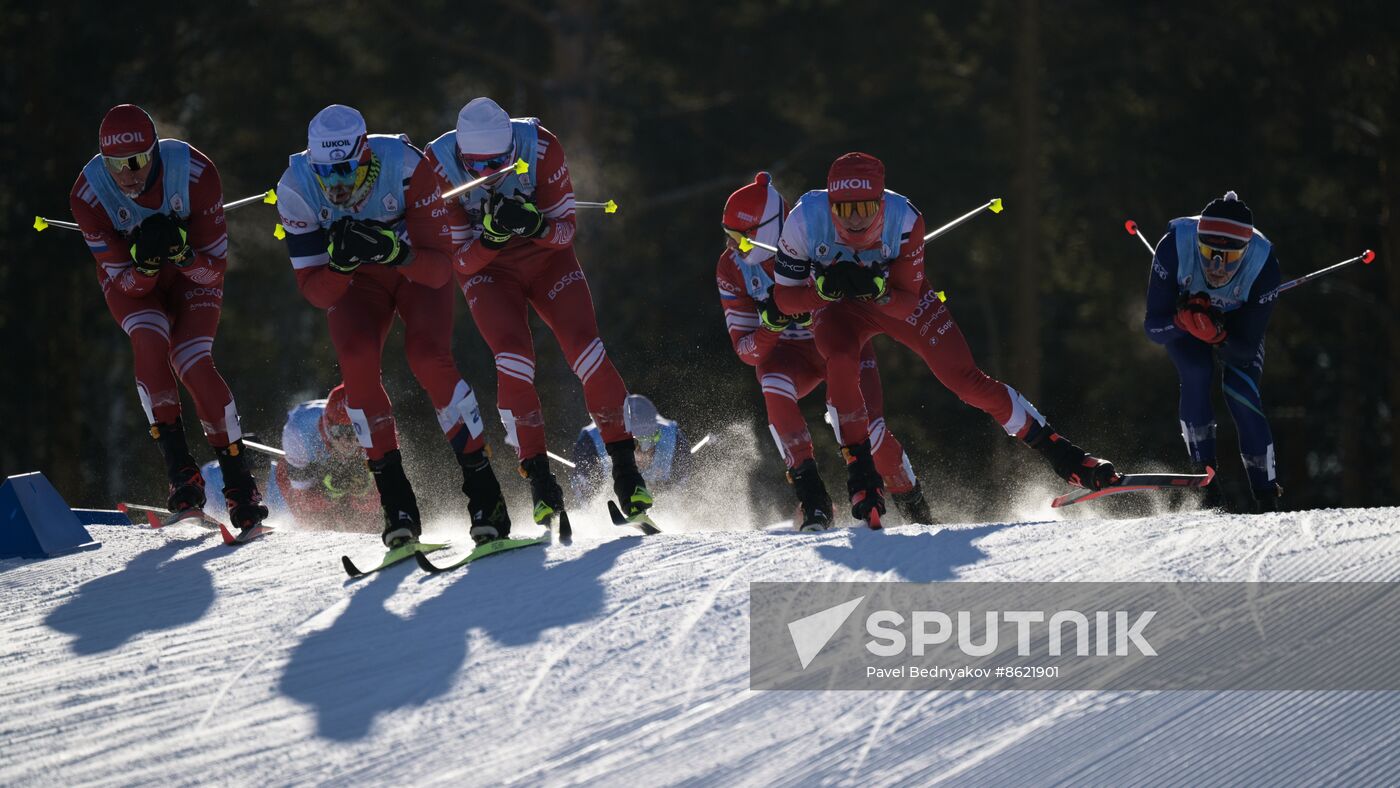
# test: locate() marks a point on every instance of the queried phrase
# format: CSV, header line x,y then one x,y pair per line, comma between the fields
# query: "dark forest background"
x,y
1079,114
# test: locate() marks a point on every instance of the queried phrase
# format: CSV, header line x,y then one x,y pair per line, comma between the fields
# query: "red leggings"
x,y
790,373
360,323
172,334
553,283
846,327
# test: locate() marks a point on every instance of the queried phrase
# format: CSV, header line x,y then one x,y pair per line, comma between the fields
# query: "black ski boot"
x,y
813,502
544,489
1070,462
1267,499
245,506
863,482
1212,496
912,506
631,489
490,519
402,523
186,483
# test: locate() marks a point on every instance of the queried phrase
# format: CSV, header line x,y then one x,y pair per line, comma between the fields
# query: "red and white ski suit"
x,y
170,318
912,314
360,309
501,284
789,367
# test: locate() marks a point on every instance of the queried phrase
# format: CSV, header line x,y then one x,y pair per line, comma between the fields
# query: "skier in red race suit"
x,y
515,237
853,254
783,353
367,238
152,213
322,477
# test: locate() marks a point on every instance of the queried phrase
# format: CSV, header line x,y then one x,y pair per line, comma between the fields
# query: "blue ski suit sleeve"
x,y
1162,294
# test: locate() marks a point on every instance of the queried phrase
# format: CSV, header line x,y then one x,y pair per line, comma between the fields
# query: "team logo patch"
x,y
391,204
822,249
325,214
177,204
123,215
203,276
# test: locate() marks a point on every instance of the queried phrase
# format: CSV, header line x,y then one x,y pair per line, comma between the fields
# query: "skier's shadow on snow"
x,y
154,591
371,661
915,558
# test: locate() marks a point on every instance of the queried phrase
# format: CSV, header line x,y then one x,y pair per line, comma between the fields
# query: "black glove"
x,y
353,242
516,216
156,241
867,284
772,318
835,281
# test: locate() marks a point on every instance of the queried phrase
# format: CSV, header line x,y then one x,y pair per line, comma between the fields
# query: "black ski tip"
x,y
616,513
566,531
349,565
423,563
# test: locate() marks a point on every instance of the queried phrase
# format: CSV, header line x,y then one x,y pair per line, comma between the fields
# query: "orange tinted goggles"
x,y
862,208
1221,258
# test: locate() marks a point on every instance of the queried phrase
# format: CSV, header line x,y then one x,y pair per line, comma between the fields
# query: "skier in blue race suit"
x,y
662,451
1211,290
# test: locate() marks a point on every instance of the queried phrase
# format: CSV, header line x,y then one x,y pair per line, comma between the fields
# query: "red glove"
x,y
1196,317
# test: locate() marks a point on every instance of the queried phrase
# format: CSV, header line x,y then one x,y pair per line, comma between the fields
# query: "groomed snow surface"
x,y
167,658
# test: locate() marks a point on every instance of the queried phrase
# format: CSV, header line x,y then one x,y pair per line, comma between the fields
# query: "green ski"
x,y
641,520
490,548
394,556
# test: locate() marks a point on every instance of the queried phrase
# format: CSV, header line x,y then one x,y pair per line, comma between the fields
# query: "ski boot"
x,y
402,523
186,483
813,502
544,489
245,506
1267,499
490,519
1070,462
1212,496
912,506
632,494
863,482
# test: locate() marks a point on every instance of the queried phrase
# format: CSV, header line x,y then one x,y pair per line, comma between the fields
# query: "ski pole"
x,y
1365,258
701,444
269,197
42,223
608,207
993,205
1132,228
560,460
264,448
519,168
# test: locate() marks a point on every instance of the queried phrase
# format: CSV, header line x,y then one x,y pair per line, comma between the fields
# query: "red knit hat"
x,y
126,130
753,205
855,177
1227,222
